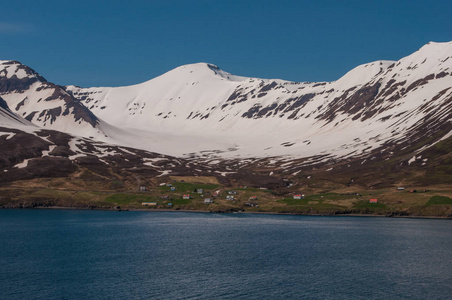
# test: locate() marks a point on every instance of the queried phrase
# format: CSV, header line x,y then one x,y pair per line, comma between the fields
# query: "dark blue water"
x,y
64,254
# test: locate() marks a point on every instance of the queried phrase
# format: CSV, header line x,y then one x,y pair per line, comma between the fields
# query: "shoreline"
x,y
229,212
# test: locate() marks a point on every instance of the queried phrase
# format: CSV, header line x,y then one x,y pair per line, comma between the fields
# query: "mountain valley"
x,y
382,126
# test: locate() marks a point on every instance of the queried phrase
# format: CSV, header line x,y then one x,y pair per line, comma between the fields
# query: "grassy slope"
x,y
437,201
326,192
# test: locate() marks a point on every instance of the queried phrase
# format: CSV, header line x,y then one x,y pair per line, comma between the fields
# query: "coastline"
x,y
232,212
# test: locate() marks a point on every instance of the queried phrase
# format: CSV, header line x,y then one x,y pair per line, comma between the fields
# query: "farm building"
x,y
400,188
149,203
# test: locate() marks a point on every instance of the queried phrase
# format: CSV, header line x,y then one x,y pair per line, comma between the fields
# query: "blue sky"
x,y
113,43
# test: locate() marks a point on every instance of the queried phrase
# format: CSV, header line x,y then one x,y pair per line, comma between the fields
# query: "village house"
x,y
142,188
149,203
400,188
173,188
232,193
186,196
298,196
373,201
199,191
253,198
207,200
229,197
216,194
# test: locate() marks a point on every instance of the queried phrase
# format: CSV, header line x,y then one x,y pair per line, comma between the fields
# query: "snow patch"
x,y
46,152
73,157
163,173
224,174
411,160
8,134
23,164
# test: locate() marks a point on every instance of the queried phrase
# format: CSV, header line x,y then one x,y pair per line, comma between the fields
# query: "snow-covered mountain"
x,y
199,110
44,104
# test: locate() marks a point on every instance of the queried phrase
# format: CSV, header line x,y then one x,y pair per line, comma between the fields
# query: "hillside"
x,y
381,125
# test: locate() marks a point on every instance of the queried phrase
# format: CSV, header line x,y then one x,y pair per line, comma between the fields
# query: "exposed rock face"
x,y
4,105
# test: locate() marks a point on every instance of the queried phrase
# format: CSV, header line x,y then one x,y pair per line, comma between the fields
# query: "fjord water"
x,y
74,254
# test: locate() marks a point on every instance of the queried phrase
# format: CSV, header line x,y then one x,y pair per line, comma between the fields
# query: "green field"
x,y
365,205
46,192
129,199
189,188
320,198
439,200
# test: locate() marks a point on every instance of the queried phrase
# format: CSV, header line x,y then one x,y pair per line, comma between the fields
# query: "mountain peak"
x,y
433,49
11,68
204,71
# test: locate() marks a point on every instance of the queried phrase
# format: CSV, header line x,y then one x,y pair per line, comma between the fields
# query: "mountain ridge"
x,y
180,101
201,110
381,125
